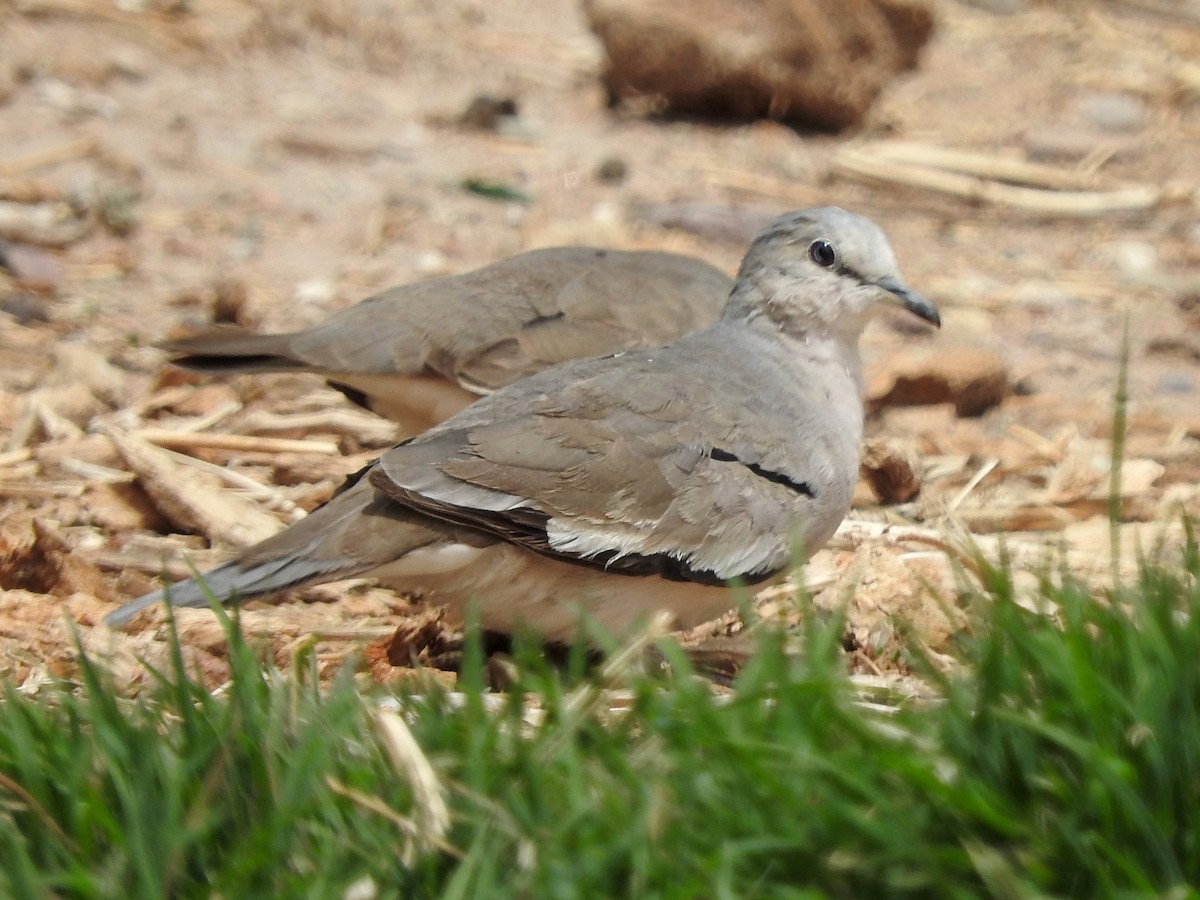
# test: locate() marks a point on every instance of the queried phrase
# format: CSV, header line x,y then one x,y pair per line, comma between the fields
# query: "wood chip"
x,y
121,508
94,473
44,157
42,488
193,500
12,457
34,268
44,224
265,494
367,428
234,443
328,146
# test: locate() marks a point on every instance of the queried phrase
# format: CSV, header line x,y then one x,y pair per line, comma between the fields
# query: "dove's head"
x,y
822,268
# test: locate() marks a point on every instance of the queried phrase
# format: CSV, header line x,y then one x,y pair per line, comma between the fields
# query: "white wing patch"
x,y
729,559
435,560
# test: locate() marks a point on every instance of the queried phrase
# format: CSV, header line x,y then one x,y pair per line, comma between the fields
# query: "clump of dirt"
x,y
813,63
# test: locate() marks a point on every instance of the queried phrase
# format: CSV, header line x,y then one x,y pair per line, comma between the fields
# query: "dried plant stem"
x,y
987,183
235,443
1120,422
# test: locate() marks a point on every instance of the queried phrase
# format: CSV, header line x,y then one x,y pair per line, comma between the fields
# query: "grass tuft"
x,y
1064,761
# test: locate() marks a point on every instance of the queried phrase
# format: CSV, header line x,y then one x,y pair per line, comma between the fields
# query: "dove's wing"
x,y
646,462
588,302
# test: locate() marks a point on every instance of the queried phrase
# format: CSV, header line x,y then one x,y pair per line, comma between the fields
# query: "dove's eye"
x,y
822,253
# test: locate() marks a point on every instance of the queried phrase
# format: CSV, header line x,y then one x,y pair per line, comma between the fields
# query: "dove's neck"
x,y
779,307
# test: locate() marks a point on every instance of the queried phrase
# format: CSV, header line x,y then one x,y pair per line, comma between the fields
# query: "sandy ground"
x,y
283,160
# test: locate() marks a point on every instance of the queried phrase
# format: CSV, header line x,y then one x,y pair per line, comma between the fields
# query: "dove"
x,y
620,486
419,353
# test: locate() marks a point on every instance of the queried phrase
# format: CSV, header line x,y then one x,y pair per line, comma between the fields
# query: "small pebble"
x,y
33,267
1059,143
1130,258
73,102
314,291
363,889
514,215
488,113
229,301
612,170
431,262
607,214
1114,112
1188,303
23,307
129,62
1176,383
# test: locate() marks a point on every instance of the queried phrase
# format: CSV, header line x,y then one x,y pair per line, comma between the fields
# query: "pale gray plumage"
x,y
625,484
418,353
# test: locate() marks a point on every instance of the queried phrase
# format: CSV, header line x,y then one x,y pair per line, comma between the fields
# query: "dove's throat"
x,y
812,343
804,312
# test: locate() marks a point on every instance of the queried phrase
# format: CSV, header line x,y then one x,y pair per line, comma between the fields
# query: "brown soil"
x,y
269,162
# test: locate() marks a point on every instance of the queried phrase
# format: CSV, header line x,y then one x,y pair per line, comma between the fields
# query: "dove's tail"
x,y
225,583
354,534
230,350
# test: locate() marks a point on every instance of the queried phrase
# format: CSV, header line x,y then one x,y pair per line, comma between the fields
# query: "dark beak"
x,y
911,300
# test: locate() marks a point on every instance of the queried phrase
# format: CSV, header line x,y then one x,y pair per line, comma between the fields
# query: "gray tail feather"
x,y
231,349
232,581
